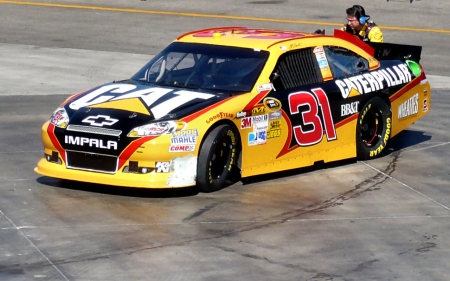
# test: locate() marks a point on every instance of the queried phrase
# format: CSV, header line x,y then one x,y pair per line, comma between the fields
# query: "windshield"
x,y
202,66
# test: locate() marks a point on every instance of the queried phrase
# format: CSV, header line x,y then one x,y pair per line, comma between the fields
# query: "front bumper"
x,y
163,169
175,178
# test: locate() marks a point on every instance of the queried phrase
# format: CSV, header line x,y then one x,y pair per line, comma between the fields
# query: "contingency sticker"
x,y
323,63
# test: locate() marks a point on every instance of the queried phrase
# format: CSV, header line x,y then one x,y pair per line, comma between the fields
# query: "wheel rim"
x,y
220,157
371,128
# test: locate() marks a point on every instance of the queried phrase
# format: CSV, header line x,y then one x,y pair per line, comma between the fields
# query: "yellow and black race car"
x,y
252,100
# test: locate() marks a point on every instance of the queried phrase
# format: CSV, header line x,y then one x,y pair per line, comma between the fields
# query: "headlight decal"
x,y
60,118
157,128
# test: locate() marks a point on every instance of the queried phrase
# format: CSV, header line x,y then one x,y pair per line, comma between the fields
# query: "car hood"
x,y
101,118
154,102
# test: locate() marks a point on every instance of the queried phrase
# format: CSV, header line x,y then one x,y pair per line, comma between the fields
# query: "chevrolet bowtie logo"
x,y
100,120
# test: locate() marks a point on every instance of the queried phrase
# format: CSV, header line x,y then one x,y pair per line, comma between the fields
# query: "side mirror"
x,y
274,76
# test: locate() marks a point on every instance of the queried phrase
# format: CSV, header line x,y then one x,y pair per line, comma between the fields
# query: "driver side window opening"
x,y
344,63
296,69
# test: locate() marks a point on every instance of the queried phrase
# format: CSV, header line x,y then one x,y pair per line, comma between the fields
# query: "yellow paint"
x,y
134,105
353,93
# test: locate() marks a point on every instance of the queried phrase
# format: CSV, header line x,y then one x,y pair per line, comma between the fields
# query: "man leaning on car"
x,y
360,25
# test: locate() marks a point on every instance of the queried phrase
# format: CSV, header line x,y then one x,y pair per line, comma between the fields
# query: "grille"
x,y
91,162
92,130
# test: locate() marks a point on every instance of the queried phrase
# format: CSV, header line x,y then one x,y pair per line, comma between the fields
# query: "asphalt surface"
x,y
384,219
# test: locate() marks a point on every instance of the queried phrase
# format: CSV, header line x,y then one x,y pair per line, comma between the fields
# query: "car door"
x,y
305,84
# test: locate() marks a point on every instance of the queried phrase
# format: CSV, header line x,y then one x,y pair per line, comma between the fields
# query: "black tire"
x,y
373,129
217,156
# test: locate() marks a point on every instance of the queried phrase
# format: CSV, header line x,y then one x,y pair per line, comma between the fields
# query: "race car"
x,y
240,99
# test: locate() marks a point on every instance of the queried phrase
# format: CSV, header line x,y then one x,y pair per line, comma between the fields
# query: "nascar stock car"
x,y
237,99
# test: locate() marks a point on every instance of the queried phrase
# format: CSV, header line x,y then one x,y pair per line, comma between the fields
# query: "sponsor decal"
x,y
275,124
184,133
181,148
246,122
272,104
57,116
258,126
100,120
273,133
218,116
409,107
91,142
323,63
149,96
374,80
260,118
349,108
260,109
264,87
260,122
162,167
275,115
318,50
425,105
184,140
257,137
242,114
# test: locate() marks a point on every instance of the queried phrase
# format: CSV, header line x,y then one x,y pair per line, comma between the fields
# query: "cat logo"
x,y
272,104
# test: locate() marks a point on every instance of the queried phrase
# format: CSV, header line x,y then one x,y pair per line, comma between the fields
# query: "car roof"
x,y
255,38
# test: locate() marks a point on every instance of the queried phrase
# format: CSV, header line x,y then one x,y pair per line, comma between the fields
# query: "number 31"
x,y
305,137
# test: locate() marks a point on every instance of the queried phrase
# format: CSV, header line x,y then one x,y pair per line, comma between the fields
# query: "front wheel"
x,y
373,129
216,158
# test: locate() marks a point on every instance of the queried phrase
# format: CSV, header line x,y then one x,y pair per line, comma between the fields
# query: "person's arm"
x,y
375,34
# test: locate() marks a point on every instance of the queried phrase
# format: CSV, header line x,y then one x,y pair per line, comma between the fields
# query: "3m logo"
x,y
246,123
100,120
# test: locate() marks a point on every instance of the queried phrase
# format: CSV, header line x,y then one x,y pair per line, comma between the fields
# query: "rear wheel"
x,y
373,129
217,156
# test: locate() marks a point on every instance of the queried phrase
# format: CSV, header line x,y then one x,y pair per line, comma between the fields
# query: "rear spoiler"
x,y
396,51
382,50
